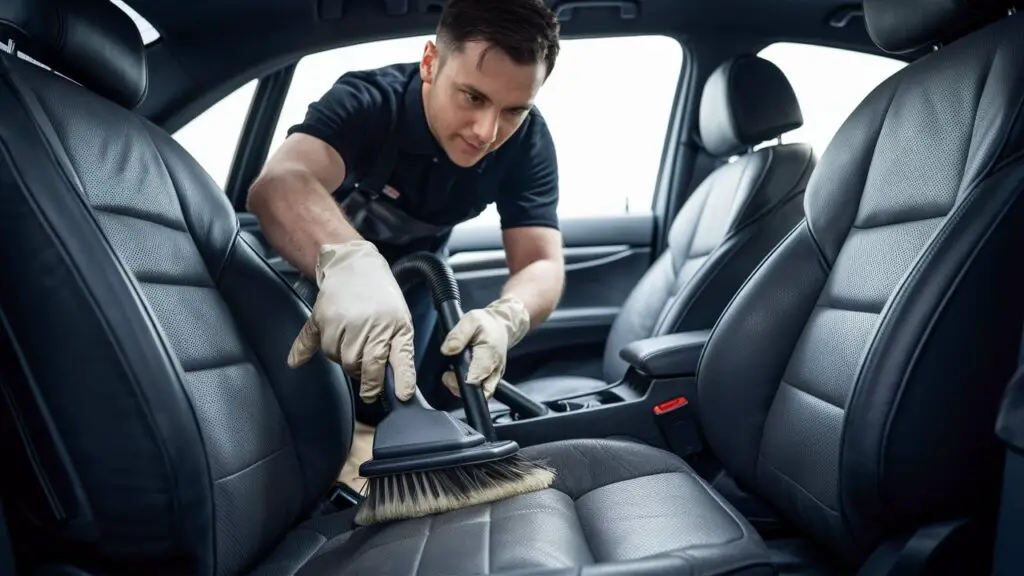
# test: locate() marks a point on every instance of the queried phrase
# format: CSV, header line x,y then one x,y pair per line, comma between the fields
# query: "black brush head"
x,y
429,440
414,437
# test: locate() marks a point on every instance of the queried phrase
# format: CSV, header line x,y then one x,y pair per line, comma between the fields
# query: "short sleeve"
x,y
528,195
354,108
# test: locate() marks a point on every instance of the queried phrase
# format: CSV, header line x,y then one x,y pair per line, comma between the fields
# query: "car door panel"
x,y
252,233
604,258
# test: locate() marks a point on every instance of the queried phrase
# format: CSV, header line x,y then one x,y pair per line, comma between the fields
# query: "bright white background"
x,y
607,103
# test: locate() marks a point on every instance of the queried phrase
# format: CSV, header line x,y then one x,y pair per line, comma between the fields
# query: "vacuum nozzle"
x,y
415,436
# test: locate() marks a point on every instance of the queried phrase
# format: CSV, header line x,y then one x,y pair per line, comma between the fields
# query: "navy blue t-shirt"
x,y
355,116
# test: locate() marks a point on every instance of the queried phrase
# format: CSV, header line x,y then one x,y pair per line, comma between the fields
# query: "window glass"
x,y
149,34
212,137
607,103
829,83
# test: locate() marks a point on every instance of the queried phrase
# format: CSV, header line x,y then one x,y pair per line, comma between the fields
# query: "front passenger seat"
x,y
730,222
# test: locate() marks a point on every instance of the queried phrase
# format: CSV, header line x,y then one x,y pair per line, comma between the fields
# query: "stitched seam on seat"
x,y
795,190
809,393
583,530
693,232
702,285
768,211
900,222
312,553
127,212
231,364
419,555
898,80
967,186
844,308
796,485
760,180
143,279
253,465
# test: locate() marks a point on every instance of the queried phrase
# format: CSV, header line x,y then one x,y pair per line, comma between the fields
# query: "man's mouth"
x,y
473,146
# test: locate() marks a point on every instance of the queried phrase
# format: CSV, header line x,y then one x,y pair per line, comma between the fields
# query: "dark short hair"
x,y
525,30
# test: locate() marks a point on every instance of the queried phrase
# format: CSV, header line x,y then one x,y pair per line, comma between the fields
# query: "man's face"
x,y
474,105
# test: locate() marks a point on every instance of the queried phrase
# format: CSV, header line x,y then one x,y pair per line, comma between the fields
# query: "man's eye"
x,y
472,98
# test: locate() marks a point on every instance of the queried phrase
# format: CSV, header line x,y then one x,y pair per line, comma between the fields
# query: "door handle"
x,y
628,9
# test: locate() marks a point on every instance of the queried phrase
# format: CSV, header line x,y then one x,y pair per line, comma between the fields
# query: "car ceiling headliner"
x,y
210,46
185,19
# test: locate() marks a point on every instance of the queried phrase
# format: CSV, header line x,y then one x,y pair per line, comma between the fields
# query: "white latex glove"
x,y
360,320
489,332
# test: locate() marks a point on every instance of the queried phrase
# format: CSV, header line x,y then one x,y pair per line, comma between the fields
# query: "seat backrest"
x,y
853,382
143,342
733,218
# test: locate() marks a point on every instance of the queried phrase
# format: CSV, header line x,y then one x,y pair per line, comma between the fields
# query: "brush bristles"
x,y
417,494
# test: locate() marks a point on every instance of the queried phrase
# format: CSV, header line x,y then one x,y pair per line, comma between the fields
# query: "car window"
x,y
829,83
146,30
212,137
608,135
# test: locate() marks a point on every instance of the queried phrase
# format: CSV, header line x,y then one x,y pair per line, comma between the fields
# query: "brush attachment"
x,y
427,461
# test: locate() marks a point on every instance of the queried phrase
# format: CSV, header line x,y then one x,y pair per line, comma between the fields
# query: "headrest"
x,y
92,42
746,101
898,26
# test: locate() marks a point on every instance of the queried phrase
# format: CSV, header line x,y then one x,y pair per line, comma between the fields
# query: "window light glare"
x,y
149,34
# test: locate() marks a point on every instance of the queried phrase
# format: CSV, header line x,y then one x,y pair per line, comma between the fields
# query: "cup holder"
x,y
571,405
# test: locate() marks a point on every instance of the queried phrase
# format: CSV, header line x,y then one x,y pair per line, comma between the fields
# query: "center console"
x,y
654,402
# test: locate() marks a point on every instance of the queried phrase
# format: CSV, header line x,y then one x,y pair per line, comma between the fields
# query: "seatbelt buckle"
x,y
677,421
342,497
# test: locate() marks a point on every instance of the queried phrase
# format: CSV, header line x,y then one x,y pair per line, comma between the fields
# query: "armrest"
x,y
669,355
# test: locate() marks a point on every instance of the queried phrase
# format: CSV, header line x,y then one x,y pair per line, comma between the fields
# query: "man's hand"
x,y
360,320
489,332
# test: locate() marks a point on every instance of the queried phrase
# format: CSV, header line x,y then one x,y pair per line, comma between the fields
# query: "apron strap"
x,y
379,175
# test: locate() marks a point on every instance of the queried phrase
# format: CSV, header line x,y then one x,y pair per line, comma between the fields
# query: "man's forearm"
x,y
297,216
539,287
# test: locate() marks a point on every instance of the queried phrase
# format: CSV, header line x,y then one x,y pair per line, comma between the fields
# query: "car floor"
x,y
798,557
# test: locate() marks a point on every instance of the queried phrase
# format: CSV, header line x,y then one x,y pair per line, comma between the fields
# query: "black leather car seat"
x,y
144,352
151,425
727,225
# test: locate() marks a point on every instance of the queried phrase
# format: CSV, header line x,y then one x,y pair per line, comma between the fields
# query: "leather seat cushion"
x,y
630,508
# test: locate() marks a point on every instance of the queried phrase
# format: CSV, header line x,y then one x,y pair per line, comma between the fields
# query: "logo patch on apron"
x,y
390,192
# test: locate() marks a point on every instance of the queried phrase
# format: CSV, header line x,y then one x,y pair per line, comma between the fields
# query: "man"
x,y
386,163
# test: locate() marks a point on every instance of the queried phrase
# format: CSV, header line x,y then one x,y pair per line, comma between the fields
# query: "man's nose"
x,y
486,127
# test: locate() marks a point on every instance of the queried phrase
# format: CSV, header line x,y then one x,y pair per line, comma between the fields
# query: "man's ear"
x,y
428,63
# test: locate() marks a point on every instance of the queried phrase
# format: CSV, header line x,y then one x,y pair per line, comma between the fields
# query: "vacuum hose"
x,y
444,289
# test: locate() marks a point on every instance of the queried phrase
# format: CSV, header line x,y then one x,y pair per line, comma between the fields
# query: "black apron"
x,y
374,214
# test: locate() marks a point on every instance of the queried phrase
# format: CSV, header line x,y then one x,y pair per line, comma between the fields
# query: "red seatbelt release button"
x,y
670,405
